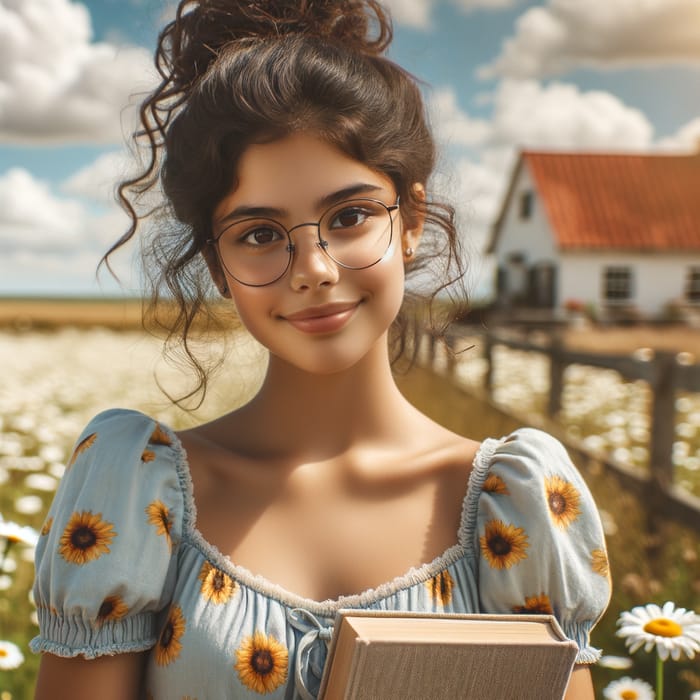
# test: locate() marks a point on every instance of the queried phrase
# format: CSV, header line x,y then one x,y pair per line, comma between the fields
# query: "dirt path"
x,y
627,339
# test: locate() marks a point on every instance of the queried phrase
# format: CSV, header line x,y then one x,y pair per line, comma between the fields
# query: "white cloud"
x,y
411,13
560,115
527,113
52,242
56,85
99,179
469,5
33,218
567,34
687,138
452,125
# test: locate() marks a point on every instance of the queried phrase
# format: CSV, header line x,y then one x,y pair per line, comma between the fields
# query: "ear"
x,y
411,235
215,270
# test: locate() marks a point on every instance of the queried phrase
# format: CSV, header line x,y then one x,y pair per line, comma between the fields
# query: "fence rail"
x,y
666,373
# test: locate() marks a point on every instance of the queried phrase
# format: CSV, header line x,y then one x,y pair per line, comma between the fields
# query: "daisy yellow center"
x,y
629,695
663,627
3,653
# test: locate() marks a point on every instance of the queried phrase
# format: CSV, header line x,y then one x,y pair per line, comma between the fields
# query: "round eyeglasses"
x,y
355,234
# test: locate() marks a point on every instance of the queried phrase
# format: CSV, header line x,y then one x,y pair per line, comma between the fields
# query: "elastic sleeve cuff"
x,y
73,636
581,634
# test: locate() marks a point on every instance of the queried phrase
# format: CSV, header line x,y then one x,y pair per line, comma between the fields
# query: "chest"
x,y
323,537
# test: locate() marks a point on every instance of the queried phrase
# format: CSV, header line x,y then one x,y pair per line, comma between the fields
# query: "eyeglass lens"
x,y
355,234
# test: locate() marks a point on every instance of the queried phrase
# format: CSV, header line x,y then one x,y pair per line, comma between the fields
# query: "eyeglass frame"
x,y
323,245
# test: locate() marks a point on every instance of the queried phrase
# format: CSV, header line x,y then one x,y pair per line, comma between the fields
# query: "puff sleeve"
x,y
539,537
106,557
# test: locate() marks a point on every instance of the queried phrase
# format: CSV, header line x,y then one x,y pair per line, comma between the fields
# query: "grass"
x,y
40,314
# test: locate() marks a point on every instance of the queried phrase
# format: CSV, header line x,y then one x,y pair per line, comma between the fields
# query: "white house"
x,y
618,232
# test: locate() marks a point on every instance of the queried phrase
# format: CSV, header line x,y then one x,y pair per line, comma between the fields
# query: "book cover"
x,y
376,655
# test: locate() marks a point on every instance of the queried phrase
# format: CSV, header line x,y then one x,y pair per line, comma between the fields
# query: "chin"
x,y
323,363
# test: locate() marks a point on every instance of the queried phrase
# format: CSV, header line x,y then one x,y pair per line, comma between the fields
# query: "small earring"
x,y
408,252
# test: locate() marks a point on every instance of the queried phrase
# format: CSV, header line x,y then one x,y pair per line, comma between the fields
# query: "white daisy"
x,y
628,689
673,631
619,663
10,656
18,534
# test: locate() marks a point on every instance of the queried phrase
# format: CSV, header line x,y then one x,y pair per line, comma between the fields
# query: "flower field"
x,y
606,412
54,382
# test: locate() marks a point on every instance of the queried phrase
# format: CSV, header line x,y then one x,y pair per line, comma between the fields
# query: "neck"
x,y
327,413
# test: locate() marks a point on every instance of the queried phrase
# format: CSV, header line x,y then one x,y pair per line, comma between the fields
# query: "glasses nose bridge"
x,y
319,241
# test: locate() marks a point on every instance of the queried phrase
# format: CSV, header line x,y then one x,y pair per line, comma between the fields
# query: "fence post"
x,y
663,415
488,356
556,376
451,358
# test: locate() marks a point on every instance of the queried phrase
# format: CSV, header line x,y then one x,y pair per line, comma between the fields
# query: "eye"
x,y
350,217
261,236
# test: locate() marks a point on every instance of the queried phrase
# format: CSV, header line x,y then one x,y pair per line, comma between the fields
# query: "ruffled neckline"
x,y
327,608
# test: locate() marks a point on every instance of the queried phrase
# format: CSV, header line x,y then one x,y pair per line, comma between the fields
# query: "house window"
x,y
692,291
618,284
527,200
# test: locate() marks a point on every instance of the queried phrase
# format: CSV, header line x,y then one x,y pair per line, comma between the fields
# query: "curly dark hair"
x,y
236,73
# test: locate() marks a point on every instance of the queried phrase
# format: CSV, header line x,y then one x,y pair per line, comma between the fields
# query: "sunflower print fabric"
x,y
440,588
120,567
86,537
542,548
217,587
261,662
169,646
112,608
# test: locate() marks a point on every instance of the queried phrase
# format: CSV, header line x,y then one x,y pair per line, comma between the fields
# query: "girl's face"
x,y
319,316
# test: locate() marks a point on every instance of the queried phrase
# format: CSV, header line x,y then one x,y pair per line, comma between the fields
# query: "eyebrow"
x,y
248,211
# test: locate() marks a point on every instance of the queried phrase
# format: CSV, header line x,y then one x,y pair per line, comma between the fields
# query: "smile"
x,y
322,319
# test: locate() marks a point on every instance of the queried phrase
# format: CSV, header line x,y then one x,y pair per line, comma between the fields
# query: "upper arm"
x,y
115,677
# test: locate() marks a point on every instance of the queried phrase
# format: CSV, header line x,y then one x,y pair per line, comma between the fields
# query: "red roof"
x,y
624,202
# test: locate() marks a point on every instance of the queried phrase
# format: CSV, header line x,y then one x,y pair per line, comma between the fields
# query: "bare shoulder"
x,y
212,457
444,447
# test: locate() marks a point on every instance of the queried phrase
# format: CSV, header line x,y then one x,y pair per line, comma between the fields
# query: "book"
x,y
378,655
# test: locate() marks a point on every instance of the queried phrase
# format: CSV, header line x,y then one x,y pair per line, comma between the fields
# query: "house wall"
x,y
532,237
524,243
657,278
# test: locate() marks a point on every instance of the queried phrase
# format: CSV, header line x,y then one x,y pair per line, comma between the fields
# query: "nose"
x,y
311,266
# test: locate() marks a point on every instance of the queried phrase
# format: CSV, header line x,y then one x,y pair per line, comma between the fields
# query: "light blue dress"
x,y
120,566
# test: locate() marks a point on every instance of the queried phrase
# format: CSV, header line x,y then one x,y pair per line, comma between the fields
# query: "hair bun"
x,y
202,28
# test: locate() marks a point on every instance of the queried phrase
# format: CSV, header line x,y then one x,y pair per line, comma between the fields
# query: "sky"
x,y
497,76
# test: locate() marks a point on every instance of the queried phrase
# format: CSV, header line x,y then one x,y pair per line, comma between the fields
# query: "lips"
x,y
322,319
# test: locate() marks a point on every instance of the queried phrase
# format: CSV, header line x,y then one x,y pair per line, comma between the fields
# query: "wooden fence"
x,y
666,376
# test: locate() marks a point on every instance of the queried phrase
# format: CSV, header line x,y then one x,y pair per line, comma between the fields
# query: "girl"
x,y
295,159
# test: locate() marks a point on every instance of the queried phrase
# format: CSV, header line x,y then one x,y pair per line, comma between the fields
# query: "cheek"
x,y
387,280
252,305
